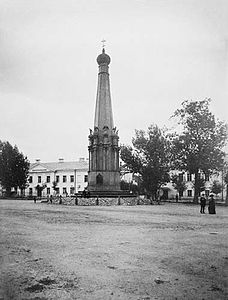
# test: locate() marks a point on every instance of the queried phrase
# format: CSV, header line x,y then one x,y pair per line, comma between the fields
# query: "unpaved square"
x,y
167,251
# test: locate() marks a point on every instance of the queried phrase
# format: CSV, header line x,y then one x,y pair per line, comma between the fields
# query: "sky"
x,y
162,53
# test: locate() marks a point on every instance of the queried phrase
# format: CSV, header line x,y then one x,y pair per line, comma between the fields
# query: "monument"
x,y
104,172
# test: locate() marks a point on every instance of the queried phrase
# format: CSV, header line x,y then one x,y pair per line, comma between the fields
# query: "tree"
x,y
54,186
216,187
124,185
40,188
14,168
226,181
149,157
199,146
129,186
201,182
178,184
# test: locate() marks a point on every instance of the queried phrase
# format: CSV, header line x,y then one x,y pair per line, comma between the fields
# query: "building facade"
x,y
168,191
57,178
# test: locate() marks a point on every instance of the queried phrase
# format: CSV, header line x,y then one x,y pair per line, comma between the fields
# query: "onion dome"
x,y
103,58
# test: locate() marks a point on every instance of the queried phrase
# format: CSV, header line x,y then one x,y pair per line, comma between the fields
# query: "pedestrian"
x,y
84,193
60,199
202,204
211,205
34,199
51,197
177,197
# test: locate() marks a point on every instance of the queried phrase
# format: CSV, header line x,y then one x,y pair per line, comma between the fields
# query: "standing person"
x,y
177,197
84,193
202,204
211,205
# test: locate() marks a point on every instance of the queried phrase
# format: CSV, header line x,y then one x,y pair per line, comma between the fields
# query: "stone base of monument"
x,y
109,194
102,201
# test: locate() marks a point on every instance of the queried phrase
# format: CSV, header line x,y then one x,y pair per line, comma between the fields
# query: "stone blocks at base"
x,y
101,201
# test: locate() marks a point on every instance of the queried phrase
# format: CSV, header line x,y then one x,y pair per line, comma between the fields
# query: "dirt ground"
x,y
167,251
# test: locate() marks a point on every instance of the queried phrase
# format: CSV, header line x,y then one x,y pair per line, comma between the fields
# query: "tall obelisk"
x,y
104,173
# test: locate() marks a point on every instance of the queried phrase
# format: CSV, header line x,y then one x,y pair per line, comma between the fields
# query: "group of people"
x,y
211,204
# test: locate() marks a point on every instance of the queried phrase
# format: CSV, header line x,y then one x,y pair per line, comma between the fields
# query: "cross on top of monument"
x,y
103,43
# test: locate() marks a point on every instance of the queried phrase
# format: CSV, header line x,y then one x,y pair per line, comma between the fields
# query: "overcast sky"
x,y
162,53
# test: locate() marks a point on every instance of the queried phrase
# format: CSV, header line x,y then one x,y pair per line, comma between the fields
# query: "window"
x,y
181,193
39,179
189,193
86,178
48,191
48,178
71,178
206,177
72,190
57,190
30,179
181,177
57,178
64,178
30,191
64,190
189,177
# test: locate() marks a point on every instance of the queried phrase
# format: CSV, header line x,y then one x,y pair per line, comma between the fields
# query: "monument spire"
x,y
104,172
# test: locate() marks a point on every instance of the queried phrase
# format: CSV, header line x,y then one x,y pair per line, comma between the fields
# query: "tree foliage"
x,y
129,186
178,184
226,181
199,146
149,157
14,167
54,185
40,188
216,187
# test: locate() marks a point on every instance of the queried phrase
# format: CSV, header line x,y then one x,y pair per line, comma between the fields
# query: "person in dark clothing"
x,y
211,205
84,193
202,204
177,197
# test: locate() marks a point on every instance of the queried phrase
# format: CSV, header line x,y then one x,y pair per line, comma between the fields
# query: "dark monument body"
x,y
104,172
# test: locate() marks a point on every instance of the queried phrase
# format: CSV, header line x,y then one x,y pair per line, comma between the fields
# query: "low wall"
x,y
100,201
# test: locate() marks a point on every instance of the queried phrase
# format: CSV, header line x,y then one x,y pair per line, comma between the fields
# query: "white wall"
x,y
78,184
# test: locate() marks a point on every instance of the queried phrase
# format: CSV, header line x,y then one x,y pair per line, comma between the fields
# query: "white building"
x,y
168,191
70,177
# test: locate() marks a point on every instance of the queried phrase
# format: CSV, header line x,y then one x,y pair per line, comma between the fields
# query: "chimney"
x,y
61,160
37,160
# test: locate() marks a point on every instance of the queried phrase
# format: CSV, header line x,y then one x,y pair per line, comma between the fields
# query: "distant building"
x,y
69,177
168,192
